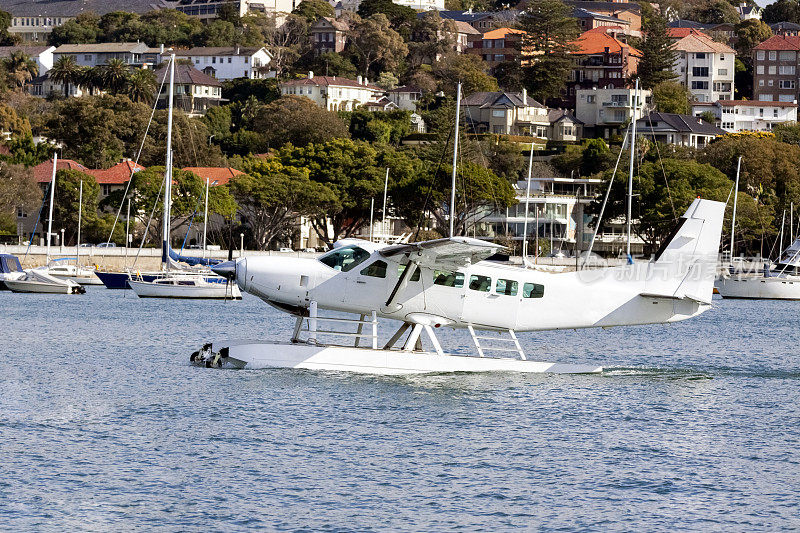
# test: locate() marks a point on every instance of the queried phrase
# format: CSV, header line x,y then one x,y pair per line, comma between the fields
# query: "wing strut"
x,y
411,266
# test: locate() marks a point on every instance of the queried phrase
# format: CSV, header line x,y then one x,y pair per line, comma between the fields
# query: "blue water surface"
x,y
105,426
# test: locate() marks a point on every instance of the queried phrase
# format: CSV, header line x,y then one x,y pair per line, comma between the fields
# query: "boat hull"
x,y
42,288
119,280
208,291
261,355
759,288
82,280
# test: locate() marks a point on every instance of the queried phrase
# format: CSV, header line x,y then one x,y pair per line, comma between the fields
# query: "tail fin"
x,y
690,253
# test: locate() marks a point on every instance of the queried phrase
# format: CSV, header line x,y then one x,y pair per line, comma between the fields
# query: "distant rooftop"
x,y
73,8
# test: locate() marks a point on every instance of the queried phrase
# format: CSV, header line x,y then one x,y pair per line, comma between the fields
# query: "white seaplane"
x,y
453,283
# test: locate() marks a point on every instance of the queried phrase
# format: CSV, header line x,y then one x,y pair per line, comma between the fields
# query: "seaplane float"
x,y
454,283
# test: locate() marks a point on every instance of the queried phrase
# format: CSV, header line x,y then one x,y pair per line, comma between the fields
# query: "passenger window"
x,y
448,279
506,286
345,258
414,276
532,290
480,283
375,270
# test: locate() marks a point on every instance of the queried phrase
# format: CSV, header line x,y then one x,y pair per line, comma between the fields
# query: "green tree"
x,y
466,68
115,75
401,17
672,97
91,79
381,126
657,53
313,10
66,72
782,11
17,189
171,27
749,33
713,12
6,38
66,202
333,64
23,151
12,122
120,26
297,120
141,86
433,37
272,197
709,117
20,68
550,30
219,33
238,90
288,43
375,42
83,29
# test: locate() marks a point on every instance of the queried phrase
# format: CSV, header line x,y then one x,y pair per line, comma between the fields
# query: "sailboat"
x,y
40,280
781,282
176,284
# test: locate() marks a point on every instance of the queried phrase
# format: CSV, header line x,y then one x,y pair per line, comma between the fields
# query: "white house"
x,y
749,12
227,63
705,67
92,55
333,93
604,111
43,55
406,97
423,5
750,115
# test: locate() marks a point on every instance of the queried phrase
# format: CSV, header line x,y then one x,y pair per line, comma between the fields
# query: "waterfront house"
x,y
195,92
680,130
92,55
333,93
229,62
505,113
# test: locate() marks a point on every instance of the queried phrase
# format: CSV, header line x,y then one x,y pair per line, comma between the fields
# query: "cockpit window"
x,y
480,283
448,279
375,270
345,258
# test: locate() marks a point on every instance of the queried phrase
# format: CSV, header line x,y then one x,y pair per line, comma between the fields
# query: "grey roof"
x,y
218,51
557,115
689,24
581,13
785,26
31,51
470,17
677,123
406,89
100,48
339,25
185,74
73,8
489,100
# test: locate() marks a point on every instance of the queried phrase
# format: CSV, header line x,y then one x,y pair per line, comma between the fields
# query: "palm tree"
x,y
20,68
115,75
66,71
92,79
141,85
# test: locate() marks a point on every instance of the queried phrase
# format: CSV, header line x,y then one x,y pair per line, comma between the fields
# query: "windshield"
x,y
12,264
345,258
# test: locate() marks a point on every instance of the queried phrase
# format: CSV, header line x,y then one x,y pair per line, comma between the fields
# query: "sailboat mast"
x,y
52,198
168,170
527,202
80,213
455,157
735,197
205,219
385,188
630,170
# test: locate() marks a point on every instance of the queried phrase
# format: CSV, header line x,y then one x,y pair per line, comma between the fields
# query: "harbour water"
x,y
105,426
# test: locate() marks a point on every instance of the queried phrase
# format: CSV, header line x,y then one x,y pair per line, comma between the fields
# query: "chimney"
x,y
162,48
237,50
311,74
360,80
524,96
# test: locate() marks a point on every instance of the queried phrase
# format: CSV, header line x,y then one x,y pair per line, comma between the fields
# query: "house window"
x,y
246,72
770,82
87,57
774,113
229,60
21,213
246,59
106,189
786,69
786,84
722,57
760,69
760,55
700,85
772,70
722,72
567,130
760,83
700,55
498,112
786,55
700,72
214,59
590,99
773,56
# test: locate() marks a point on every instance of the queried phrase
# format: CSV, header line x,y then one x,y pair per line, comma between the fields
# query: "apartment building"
x,y
229,62
92,55
497,46
705,67
601,62
749,115
603,112
775,69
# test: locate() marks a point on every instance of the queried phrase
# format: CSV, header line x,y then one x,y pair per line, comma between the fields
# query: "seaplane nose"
x,y
227,270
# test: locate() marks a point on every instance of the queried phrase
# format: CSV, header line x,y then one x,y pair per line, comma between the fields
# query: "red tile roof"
x,y
116,175
680,33
700,42
500,33
779,42
43,172
216,175
596,41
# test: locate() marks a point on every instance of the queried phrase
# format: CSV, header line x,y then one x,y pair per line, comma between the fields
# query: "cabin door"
x,y
491,302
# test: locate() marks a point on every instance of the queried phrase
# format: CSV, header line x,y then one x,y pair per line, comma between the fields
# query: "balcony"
x,y
623,103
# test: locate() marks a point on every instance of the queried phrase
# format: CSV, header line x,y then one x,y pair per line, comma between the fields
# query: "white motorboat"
x,y
82,275
779,282
40,281
10,269
185,286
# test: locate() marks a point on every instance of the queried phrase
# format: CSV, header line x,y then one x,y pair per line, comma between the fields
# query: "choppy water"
x,y
105,426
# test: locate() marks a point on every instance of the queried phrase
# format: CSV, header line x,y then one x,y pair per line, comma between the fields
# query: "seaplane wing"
x,y
452,253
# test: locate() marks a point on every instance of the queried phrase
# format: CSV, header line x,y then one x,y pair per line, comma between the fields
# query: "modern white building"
x,y
43,55
227,63
333,93
705,67
604,111
92,55
749,115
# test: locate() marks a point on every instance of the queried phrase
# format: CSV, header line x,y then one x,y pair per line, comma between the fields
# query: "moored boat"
x,y
10,269
39,281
